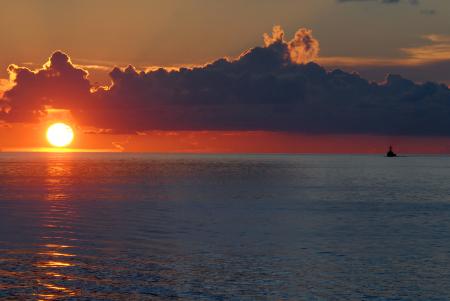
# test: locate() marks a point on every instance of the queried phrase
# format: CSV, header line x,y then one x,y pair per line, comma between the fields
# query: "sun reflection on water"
x,y
54,292
51,274
53,262
59,175
56,254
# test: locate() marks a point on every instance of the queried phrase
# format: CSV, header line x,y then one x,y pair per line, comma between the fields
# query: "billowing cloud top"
x,y
276,88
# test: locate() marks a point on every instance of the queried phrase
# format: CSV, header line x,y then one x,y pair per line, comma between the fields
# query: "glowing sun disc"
x,y
59,134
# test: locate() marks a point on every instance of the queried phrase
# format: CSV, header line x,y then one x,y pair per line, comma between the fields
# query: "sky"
x,y
240,76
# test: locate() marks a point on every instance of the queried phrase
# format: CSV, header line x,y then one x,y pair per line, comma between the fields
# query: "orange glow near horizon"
x,y
30,138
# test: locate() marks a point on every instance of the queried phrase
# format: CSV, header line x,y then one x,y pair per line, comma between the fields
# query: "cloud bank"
x,y
276,87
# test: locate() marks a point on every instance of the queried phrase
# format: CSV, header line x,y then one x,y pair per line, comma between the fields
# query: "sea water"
x,y
81,226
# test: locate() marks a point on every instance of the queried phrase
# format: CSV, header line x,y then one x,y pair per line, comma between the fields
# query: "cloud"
x,y
266,88
438,49
424,11
412,2
428,12
376,68
58,84
303,48
430,60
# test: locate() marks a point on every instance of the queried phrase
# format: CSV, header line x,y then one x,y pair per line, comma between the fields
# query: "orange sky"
x,y
369,37
26,137
103,33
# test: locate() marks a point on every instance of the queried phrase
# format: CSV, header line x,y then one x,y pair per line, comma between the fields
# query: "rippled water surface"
x,y
185,227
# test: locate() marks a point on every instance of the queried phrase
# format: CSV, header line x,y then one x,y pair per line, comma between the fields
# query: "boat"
x,y
391,153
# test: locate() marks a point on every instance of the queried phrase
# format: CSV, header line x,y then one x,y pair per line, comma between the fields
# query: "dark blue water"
x,y
254,227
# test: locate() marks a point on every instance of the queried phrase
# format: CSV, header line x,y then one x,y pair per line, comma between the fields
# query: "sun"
x,y
59,134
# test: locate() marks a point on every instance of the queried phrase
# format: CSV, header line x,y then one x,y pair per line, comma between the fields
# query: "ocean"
x,y
92,226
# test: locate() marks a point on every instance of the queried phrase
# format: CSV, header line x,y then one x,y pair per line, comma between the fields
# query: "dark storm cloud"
x,y
438,70
266,88
58,84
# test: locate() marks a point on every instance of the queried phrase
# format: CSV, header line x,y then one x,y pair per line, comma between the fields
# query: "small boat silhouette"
x,y
391,153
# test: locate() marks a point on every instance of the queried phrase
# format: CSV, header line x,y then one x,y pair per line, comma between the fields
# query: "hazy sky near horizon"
x,y
166,33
